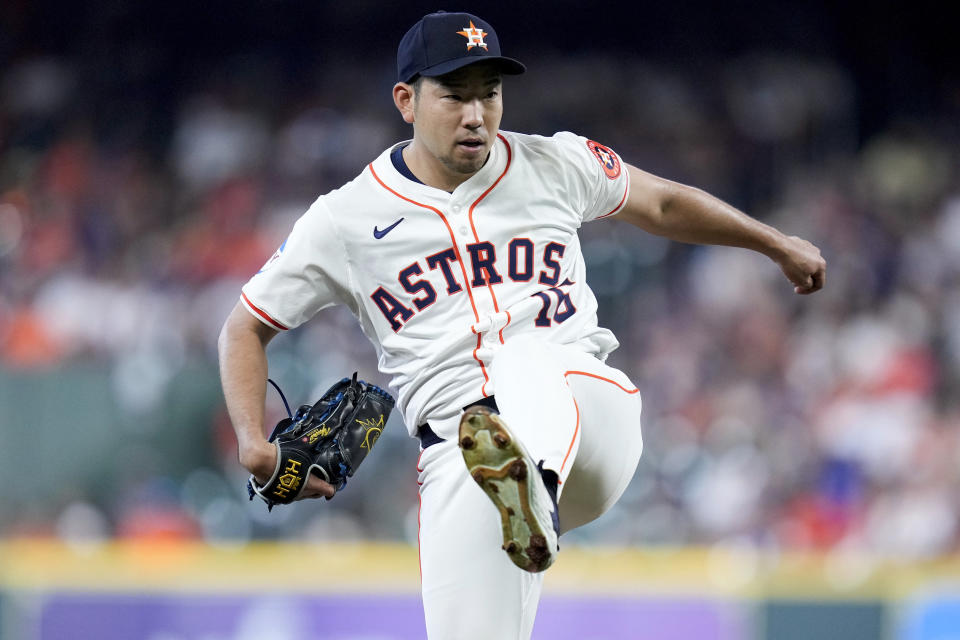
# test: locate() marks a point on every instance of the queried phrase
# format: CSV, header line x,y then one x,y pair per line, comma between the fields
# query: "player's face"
x,y
457,116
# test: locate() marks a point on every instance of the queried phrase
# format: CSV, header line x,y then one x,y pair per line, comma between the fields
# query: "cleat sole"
x,y
502,469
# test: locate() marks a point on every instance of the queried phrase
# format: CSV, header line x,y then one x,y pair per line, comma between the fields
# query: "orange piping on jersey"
x,y
626,190
476,238
593,375
490,188
509,319
483,388
456,252
263,314
576,429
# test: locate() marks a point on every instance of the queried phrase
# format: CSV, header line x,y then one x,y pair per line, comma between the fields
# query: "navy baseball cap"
x,y
443,42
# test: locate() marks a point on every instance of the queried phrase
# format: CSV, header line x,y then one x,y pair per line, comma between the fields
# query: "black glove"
x,y
330,438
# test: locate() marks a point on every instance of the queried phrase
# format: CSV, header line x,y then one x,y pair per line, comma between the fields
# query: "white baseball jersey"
x,y
439,281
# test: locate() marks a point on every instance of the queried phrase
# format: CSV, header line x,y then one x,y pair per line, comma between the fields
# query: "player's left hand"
x,y
260,459
319,447
803,265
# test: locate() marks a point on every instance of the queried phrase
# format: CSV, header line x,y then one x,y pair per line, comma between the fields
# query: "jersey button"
x,y
463,231
456,208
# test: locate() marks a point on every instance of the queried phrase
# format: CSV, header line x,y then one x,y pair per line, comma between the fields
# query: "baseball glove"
x,y
330,438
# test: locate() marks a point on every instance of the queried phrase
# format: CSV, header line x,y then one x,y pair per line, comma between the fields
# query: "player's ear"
x,y
404,97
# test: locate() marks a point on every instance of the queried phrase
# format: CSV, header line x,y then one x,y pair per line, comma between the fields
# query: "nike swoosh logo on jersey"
x,y
379,234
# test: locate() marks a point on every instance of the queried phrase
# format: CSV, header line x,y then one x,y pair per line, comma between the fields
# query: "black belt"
x,y
429,438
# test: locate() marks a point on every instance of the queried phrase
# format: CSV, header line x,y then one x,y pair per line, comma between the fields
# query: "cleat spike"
x,y
518,470
537,551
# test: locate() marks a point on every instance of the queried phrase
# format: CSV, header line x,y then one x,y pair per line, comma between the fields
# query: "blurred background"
x,y
802,454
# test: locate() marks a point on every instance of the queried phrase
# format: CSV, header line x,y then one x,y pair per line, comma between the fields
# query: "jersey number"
x,y
564,308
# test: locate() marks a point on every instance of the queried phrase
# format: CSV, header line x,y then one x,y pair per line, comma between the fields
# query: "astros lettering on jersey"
x,y
439,280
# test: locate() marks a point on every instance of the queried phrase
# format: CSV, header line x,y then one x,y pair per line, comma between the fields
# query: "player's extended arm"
x,y
687,214
243,375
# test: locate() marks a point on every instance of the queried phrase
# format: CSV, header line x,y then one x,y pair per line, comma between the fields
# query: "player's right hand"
x,y
260,459
803,265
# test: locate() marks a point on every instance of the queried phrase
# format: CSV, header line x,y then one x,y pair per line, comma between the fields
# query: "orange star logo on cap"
x,y
474,36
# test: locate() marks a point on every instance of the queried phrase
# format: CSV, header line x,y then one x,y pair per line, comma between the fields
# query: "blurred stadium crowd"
x,y
130,216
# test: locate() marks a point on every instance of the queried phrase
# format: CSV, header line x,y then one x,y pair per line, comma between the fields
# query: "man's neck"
x,y
431,171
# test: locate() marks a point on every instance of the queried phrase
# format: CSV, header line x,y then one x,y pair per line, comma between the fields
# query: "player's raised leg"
x,y
610,440
578,415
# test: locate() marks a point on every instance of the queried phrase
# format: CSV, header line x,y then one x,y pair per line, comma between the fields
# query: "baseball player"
x,y
458,253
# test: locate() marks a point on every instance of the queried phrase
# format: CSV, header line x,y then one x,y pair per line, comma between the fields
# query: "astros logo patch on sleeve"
x,y
607,159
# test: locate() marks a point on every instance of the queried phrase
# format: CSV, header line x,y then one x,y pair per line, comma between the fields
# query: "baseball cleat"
x,y
500,465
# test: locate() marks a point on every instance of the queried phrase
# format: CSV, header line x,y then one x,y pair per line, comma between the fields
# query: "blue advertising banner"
x,y
202,617
650,618
109,616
